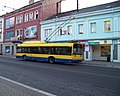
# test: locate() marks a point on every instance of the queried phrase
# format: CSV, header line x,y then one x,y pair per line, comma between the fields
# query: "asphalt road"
x,y
63,79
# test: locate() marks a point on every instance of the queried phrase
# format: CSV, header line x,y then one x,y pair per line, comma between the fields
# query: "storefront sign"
x,y
97,42
93,43
105,41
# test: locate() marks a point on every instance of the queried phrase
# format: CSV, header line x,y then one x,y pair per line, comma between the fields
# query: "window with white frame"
x,y
107,26
69,29
17,20
26,17
18,34
31,16
62,31
48,32
35,14
80,28
21,19
93,27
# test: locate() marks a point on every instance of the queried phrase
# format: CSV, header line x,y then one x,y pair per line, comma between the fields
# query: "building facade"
x,y
1,34
24,24
97,28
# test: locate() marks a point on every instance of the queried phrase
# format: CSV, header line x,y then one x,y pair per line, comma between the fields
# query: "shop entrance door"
x,y
12,50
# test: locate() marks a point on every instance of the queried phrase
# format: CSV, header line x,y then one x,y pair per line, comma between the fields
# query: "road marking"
x,y
28,87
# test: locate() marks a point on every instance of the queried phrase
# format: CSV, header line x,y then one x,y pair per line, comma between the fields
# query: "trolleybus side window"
x,y
46,50
19,49
78,49
34,50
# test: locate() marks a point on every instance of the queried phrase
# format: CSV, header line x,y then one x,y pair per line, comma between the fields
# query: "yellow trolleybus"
x,y
50,52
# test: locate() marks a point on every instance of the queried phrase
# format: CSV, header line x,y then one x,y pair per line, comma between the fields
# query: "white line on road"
x,y
28,87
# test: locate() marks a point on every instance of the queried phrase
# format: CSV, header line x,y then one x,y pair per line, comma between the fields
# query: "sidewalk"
x,y
102,64
13,88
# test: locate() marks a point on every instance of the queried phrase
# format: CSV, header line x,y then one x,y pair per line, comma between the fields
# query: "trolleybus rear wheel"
x,y
24,57
51,60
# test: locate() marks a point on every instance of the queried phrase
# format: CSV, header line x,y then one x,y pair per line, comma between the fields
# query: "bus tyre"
x,y
24,57
51,60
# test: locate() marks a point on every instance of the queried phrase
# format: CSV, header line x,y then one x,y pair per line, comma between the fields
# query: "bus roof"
x,y
39,43
34,42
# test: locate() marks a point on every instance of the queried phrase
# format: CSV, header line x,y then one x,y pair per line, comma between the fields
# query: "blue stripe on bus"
x,y
46,59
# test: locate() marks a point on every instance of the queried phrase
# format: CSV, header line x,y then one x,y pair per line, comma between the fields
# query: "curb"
x,y
101,65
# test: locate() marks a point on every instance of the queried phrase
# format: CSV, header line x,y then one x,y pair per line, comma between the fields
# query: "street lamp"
x,y
8,7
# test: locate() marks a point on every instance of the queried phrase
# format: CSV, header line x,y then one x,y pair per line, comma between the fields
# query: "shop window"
x,y
107,26
105,51
80,29
93,27
7,49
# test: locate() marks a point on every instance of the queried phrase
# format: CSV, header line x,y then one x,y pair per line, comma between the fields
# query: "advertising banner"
x,y
30,32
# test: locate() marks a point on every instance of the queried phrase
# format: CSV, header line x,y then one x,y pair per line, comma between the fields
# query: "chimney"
x,y
58,4
31,2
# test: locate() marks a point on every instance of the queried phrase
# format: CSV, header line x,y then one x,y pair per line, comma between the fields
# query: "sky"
x,y
67,5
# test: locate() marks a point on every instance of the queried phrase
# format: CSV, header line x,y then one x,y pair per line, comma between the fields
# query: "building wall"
x,y
49,8
100,36
11,21
87,35
24,24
